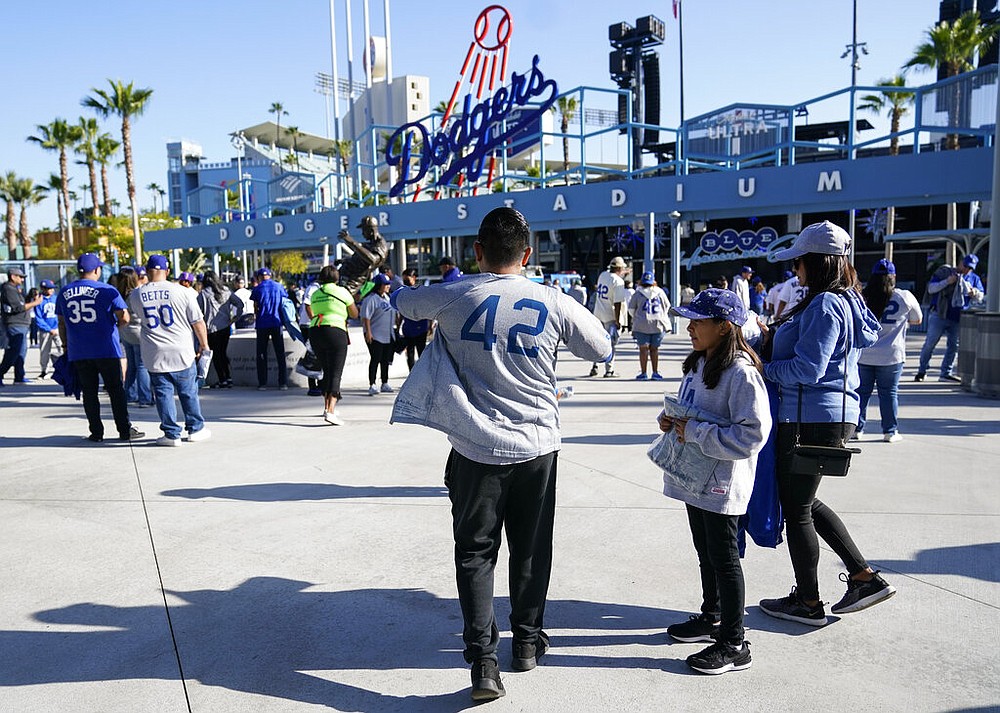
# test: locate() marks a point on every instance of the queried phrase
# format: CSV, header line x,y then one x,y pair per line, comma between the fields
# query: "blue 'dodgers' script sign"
x,y
466,144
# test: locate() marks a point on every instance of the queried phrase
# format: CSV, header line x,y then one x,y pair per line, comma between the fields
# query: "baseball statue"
x,y
367,257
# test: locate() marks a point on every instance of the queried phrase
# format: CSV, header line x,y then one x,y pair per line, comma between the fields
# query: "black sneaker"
x,y
793,608
133,434
920,376
861,595
94,438
951,377
703,627
593,370
526,655
720,658
486,683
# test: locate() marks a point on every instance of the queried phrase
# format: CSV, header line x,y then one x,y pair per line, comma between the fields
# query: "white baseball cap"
x,y
822,238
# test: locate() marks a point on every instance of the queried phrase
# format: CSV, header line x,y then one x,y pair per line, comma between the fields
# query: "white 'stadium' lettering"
x,y
279,228
560,203
308,225
617,197
463,211
223,233
747,187
679,193
509,202
829,181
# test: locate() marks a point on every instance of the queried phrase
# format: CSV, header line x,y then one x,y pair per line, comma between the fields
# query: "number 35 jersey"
x,y
167,311
88,308
487,379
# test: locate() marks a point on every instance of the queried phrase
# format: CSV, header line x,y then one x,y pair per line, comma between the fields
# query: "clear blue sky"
x,y
217,66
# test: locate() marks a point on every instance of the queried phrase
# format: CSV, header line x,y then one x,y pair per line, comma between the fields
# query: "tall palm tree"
x,y
567,110
54,186
107,147
87,147
952,47
59,136
895,103
26,194
125,101
7,183
157,191
294,133
277,108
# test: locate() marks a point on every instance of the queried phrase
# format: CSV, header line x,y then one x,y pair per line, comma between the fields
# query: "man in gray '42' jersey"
x,y
488,381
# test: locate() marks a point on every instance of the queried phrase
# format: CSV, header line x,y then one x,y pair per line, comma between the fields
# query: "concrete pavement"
x,y
286,565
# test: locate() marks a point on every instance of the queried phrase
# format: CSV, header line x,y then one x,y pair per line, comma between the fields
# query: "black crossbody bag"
x,y
825,460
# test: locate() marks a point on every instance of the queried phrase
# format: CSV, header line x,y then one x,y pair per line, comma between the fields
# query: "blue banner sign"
x,y
737,131
731,244
474,136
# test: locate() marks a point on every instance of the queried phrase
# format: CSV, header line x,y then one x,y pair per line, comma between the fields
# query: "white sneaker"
x,y
333,419
386,389
373,390
283,387
203,435
167,441
892,438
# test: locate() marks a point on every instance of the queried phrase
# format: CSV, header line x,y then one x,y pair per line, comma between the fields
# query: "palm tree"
x,y
126,101
277,108
294,133
894,103
107,147
26,194
7,186
54,186
87,147
567,110
951,47
157,191
59,136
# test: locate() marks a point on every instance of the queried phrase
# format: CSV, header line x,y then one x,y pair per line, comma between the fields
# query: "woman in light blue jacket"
x,y
814,360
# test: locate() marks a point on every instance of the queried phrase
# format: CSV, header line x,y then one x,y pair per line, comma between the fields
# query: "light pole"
x,y
852,52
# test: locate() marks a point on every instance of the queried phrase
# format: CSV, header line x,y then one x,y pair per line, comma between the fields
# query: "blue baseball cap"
x,y
156,262
186,277
647,279
823,238
88,262
714,303
746,268
140,271
884,267
381,279
970,261
755,280
47,284
262,272
789,274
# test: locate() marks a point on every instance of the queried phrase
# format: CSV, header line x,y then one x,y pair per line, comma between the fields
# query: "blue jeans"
x,y
886,378
185,384
137,384
17,349
937,326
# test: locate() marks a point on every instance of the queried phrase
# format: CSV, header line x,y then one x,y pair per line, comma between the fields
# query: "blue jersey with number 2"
x,y
88,311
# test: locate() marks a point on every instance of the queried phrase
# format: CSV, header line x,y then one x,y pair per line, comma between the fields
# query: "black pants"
x,y
273,334
304,328
521,499
218,342
722,587
330,346
110,372
806,518
414,344
381,355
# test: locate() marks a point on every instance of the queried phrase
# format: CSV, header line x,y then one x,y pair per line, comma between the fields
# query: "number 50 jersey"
x,y
488,378
167,311
88,308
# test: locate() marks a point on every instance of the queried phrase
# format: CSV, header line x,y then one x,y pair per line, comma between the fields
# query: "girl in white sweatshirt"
x,y
721,377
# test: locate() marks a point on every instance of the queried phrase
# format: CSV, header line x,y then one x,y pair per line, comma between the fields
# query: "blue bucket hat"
x,y
714,303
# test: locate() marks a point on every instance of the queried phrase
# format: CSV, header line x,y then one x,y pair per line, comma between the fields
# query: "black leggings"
x,y
806,518
381,355
722,586
414,344
330,345
218,342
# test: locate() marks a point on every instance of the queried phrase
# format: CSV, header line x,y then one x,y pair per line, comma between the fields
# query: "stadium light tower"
x,y
635,66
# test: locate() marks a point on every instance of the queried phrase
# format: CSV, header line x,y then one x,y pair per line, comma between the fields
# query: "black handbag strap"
x,y
843,405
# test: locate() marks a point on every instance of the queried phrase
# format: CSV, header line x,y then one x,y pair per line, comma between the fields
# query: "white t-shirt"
x,y
773,295
742,289
166,339
792,293
383,317
609,291
891,345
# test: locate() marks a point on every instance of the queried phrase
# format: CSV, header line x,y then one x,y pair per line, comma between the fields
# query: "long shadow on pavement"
x,y
278,637
282,492
980,561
